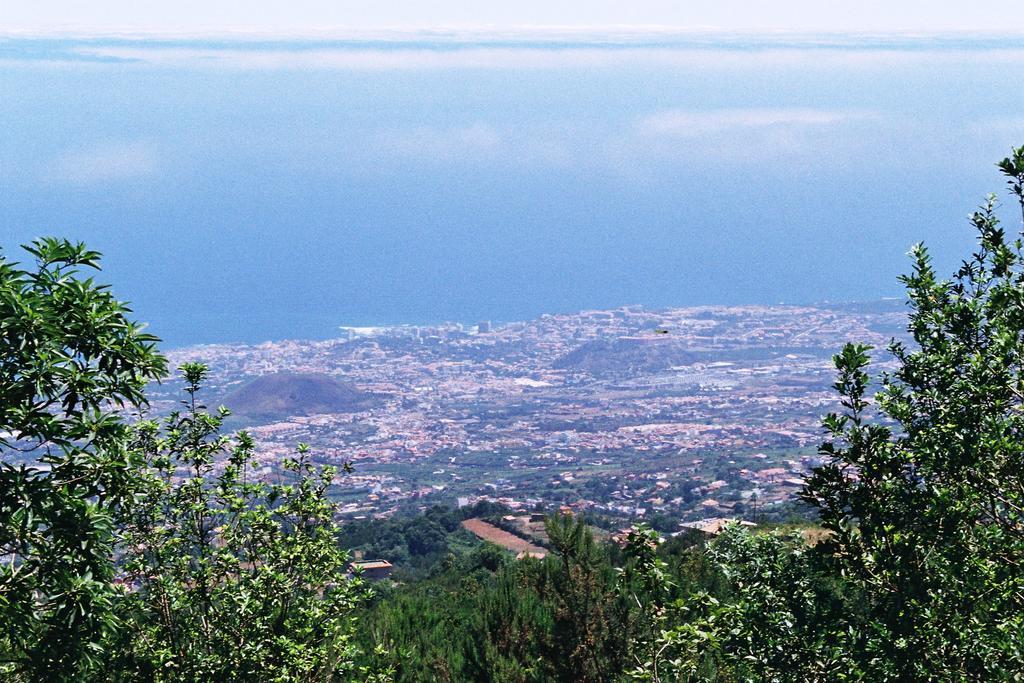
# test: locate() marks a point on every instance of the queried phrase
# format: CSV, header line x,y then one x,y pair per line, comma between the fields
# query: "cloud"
x,y
636,147
478,143
473,141
764,135
538,56
538,48
688,123
105,162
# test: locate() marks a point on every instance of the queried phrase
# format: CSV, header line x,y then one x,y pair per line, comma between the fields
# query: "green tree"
x,y
234,579
590,616
70,363
768,615
924,493
490,617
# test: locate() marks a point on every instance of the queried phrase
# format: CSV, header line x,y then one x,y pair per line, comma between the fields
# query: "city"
x,y
690,412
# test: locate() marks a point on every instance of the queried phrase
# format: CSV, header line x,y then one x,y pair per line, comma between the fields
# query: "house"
x,y
714,525
374,570
771,474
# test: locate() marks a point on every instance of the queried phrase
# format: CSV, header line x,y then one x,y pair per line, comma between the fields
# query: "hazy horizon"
x,y
253,188
316,15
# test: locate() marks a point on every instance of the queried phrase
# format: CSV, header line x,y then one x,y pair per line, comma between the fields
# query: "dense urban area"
x,y
692,412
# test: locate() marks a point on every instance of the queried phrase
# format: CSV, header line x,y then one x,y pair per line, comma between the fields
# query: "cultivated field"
x,y
489,532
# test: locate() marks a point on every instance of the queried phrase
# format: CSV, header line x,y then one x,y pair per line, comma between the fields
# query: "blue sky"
x,y
274,183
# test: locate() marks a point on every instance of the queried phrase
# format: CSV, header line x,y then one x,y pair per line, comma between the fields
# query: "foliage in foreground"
x,y
146,552
68,357
924,494
742,607
231,579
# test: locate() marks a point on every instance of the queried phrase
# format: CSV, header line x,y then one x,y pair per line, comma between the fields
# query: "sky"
x,y
256,171
319,15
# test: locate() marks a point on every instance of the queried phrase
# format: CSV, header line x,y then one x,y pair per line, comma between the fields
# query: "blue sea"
x,y
246,190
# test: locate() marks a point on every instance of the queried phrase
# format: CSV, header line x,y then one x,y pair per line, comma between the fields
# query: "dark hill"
x,y
281,395
625,356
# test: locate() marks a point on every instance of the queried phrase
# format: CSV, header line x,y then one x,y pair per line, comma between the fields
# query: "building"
x,y
714,525
374,570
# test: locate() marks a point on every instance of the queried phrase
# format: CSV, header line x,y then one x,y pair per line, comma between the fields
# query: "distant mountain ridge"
x,y
282,395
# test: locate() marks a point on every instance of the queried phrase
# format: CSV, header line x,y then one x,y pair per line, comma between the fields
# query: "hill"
x,y
629,355
283,394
